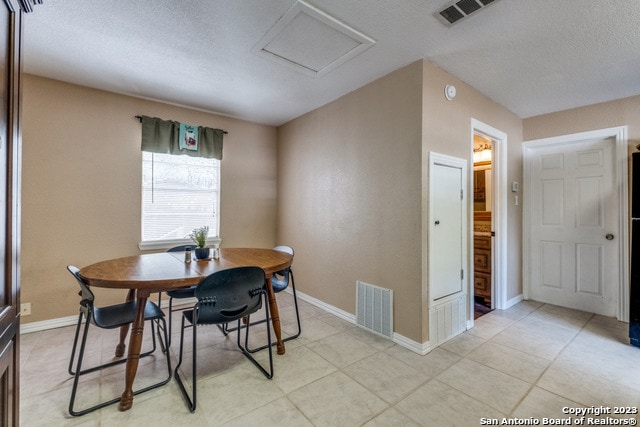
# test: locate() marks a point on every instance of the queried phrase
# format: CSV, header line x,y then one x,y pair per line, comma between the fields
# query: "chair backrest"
x,y
85,292
181,248
229,295
287,249
280,279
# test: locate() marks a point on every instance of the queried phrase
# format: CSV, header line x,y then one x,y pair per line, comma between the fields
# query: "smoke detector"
x,y
458,10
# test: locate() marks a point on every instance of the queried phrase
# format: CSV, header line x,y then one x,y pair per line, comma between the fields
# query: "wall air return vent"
x,y
458,10
374,308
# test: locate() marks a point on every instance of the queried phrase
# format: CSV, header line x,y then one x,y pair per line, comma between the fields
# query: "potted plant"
x,y
199,236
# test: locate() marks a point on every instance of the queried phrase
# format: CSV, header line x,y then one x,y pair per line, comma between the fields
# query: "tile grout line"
x,y
535,383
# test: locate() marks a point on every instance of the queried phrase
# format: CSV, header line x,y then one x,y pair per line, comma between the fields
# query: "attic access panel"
x,y
311,41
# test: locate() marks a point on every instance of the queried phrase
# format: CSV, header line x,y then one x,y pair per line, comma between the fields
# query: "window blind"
x,y
179,193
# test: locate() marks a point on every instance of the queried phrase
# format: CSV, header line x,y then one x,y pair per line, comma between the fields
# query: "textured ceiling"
x,y
532,57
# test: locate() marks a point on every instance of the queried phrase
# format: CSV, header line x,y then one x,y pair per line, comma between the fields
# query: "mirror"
x,y
482,189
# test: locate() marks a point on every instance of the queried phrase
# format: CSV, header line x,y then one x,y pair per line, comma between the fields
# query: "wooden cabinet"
x,y
482,267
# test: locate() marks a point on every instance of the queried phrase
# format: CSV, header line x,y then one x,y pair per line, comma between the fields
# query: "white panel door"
x,y
446,231
573,211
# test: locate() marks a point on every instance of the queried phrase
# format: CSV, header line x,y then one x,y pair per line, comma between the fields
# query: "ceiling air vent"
x,y
457,11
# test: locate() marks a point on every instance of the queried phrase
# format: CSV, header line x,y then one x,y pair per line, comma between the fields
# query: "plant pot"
x,y
202,253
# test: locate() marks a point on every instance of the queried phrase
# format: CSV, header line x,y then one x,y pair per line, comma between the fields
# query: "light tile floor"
x,y
528,362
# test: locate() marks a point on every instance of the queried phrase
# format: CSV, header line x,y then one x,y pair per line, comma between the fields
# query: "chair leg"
x,y
191,402
75,344
167,355
77,374
171,311
164,344
247,353
295,302
166,339
79,371
154,325
296,335
82,346
164,347
170,319
224,328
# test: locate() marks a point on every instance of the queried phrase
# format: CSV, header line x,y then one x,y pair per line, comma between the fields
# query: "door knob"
x,y
609,236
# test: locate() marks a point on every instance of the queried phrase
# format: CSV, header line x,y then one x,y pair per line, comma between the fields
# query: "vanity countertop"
x,y
482,233
481,228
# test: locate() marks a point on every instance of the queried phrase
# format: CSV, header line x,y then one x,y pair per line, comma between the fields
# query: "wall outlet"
x,y
25,309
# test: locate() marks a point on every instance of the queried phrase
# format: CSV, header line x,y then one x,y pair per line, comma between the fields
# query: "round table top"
x,y
168,270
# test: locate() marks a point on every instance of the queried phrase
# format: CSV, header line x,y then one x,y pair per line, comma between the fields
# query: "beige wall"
x,y
447,130
353,187
345,185
350,195
82,177
622,112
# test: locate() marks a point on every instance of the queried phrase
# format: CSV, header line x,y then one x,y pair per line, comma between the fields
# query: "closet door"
x,y
447,252
10,32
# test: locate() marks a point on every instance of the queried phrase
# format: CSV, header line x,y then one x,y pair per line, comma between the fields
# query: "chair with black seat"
x,y
182,293
223,297
279,282
109,317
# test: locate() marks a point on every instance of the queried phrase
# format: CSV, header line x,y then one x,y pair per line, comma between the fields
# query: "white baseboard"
x,y
26,328
416,347
513,301
420,348
470,324
351,318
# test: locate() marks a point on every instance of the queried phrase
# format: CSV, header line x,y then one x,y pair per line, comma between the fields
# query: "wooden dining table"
x,y
145,274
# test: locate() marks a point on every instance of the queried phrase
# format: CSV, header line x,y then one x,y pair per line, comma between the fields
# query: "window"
x,y
179,193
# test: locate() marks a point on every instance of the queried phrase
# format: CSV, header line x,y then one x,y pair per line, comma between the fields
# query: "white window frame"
x,y
168,243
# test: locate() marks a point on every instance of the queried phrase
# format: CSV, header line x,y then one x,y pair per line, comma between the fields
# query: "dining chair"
x,y
181,293
108,317
279,282
224,296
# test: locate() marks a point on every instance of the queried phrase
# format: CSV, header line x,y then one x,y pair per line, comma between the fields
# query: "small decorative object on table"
x,y
199,237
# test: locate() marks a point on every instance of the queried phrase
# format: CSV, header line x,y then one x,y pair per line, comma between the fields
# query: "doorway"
x,y
482,225
498,219
576,249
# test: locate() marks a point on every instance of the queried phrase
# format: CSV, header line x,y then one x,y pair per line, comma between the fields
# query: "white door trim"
x,y
622,184
499,215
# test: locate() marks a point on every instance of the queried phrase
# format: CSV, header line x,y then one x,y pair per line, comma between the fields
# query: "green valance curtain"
x,y
163,136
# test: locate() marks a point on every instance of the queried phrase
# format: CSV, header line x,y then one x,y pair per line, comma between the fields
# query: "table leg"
x,y
124,330
135,344
275,315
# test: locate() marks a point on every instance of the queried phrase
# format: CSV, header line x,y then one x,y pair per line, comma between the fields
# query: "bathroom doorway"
x,y
495,216
482,225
